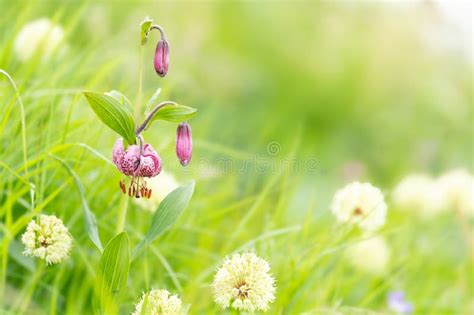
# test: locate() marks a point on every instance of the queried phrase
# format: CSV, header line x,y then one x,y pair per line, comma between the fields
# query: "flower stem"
x,y
159,28
25,296
145,268
122,215
138,102
145,123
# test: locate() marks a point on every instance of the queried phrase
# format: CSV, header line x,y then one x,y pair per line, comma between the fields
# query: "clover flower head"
x,y
361,204
158,302
244,283
138,162
47,238
41,36
371,255
420,194
161,185
457,190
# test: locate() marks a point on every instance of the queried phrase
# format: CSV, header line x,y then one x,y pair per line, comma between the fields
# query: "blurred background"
x,y
294,99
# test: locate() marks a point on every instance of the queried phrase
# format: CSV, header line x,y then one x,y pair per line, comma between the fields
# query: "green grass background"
x,y
329,85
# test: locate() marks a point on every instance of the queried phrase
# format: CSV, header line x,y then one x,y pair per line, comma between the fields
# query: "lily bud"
x,y
184,143
162,57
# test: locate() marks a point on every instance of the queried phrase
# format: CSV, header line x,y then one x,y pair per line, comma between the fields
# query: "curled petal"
x,y
148,150
130,160
118,152
150,166
135,162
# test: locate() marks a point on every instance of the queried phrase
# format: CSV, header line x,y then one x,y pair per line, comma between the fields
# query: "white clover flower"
x,y
371,255
159,302
244,283
161,186
48,239
457,190
41,36
361,204
420,194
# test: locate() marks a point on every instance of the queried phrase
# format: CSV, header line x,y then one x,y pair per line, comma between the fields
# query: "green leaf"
x,y
16,252
145,28
175,113
112,113
167,213
89,217
113,271
122,99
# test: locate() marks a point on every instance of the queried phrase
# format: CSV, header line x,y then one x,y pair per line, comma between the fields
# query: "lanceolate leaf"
x,y
113,271
175,113
167,213
122,99
112,113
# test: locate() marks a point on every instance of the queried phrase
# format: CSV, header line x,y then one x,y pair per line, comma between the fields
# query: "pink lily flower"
x,y
138,162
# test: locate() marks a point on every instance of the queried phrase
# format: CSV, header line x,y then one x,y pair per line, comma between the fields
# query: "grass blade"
x,y
91,222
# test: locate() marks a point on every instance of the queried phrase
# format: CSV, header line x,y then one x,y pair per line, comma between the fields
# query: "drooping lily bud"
x,y
162,57
184,143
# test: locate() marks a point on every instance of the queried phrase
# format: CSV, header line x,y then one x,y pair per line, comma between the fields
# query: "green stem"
x,y
150,116
122,214
55,294
24,299
138,105
138,102
6,244
4,262
145,269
